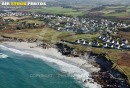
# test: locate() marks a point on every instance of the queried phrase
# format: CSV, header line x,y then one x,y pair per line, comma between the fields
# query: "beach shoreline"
x,y
53,53
100,76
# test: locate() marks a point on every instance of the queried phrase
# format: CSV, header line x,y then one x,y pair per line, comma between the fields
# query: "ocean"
x,y
19,69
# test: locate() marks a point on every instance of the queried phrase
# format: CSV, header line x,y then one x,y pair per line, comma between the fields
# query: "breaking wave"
x,y
79,74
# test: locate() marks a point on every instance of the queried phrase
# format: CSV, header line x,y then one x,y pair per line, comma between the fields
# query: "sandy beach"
x,y
52,52
77,66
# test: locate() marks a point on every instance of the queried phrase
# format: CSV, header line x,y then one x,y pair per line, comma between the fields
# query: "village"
x,y
108,41
106,29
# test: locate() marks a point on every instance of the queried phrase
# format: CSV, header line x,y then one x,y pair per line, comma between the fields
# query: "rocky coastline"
x,y
107,77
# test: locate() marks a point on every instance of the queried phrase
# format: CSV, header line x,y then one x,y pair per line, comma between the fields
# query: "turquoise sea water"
x,y
24,71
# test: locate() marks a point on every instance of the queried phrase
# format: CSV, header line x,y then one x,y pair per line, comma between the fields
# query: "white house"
x,y
90,43
122,44
112,46
83,42
105,45
108,40
100,37
77,41
117,46
113,41
117,43
125,46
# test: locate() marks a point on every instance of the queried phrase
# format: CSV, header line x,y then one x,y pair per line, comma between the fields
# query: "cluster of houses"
x,y
24,24
5,24
6,13
93,43
77,25
19,24
83,25
113,42
71,24
107,42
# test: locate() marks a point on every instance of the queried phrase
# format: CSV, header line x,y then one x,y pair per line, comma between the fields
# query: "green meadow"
x,y
59,10
115,11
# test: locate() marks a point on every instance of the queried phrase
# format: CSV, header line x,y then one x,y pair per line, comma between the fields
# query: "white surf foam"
x,y
3,55
74,71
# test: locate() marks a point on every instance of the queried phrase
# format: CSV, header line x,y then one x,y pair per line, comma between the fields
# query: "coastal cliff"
x,y
108,76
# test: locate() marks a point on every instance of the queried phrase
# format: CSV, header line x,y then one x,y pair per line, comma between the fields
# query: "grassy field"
x,y
32,21
27,20
88,37
111,11
49,35
123,14
115,7
46,34
124,35
16,18
59,10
